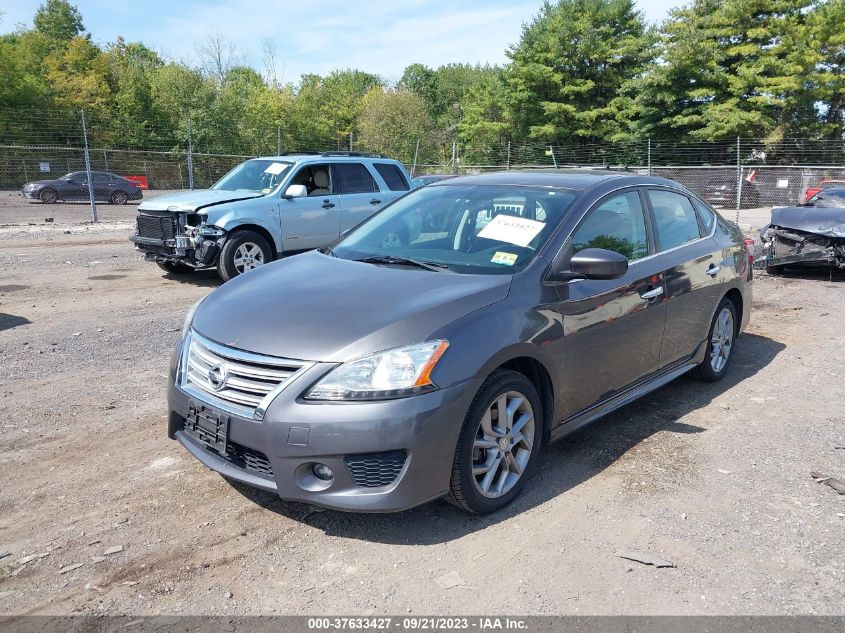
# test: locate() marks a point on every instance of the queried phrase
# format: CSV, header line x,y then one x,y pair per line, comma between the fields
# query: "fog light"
x,y
323,472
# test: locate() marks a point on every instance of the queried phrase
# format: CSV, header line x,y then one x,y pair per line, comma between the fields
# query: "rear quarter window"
x,y
707,215
393,176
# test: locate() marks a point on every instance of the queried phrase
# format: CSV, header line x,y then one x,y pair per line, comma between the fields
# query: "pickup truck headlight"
x,y
393,373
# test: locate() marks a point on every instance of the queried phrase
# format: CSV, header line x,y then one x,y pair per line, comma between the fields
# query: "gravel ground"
x,y
101,513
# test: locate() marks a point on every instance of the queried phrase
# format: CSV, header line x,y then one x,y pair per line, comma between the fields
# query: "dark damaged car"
x,y
812,234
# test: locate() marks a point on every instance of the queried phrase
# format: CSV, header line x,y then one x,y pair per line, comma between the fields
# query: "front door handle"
x,y
374,201
713,270
328,204
653,293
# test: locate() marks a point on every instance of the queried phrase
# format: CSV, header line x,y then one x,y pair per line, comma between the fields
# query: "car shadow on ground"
x,y
205,278
565,464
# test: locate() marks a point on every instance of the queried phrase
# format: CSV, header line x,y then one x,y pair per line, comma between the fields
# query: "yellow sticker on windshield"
x,y
506,259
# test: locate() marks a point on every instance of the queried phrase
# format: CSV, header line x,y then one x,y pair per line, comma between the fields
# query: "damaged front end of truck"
x,y
179,233
804,236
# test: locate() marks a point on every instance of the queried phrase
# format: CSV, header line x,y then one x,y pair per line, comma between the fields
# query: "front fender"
x,y
231,218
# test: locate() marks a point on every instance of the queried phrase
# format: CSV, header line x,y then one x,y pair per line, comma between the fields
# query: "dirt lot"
x,y
715,478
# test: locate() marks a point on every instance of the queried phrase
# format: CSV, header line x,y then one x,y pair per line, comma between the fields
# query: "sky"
x,y
317,36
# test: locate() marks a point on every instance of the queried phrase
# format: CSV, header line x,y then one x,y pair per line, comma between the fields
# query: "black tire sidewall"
x,y
41,196
496,384
117,194
226,263
706,369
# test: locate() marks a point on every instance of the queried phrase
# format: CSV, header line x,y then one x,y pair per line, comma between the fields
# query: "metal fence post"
x,y
278,140
509,155
454,157
105,160
190,157
552,152
88,169
649,156
416,155
738,179
350,141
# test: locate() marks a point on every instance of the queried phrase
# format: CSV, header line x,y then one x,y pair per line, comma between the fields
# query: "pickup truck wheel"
x,y
499,444
176,269
242,252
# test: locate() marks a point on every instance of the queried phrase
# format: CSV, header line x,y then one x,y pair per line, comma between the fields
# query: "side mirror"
x,y
598,263
295,191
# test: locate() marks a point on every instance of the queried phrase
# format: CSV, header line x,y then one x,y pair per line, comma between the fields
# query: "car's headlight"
x,y
189,317
393,373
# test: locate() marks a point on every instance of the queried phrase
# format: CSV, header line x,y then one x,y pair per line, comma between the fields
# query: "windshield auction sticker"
x,y
513,230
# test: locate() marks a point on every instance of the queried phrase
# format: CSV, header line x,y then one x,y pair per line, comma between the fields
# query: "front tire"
x,y
242,252
48,196
720,343
499,444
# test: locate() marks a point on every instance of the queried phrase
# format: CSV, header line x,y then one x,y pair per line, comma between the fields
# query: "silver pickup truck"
x,y
266,207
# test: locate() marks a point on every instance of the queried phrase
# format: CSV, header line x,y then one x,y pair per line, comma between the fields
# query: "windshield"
x,y
483,229
259,175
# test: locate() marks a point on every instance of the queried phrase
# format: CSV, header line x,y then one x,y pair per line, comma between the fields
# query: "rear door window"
x,y
393,176
675,219
353,178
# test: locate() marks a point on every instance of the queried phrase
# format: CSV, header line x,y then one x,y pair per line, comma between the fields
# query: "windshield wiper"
x,y
404,261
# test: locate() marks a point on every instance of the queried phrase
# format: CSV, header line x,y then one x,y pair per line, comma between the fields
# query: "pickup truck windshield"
x,y
484,229
259,175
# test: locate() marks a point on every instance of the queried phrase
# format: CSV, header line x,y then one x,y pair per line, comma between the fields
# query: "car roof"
x,y
573,179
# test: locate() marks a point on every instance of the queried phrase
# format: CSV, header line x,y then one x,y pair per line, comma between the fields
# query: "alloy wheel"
x,y
721,341
502,445
247,257
120,197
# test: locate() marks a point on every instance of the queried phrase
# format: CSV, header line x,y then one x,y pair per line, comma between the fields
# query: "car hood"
x,y
320,308
40,183
191,201
827,221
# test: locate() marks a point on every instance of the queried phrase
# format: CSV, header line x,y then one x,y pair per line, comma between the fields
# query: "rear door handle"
x,y
374,201
653,293
713,270
328,204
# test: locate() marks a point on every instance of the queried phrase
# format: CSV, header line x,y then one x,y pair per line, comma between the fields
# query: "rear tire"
x,y
496,454
721,341
48,196
242,252
175,269
119,197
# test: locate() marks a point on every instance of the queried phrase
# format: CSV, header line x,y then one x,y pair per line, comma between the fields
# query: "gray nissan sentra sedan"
x,y
414,360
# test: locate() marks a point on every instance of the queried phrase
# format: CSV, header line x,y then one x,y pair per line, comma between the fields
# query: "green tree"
x,y
392,121
569,66
59,20
732,67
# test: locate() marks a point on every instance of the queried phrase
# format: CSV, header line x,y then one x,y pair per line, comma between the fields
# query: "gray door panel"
x,y
309,222
612,334
357,207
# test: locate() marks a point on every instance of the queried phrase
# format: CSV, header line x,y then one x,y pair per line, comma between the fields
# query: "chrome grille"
x,y
240,382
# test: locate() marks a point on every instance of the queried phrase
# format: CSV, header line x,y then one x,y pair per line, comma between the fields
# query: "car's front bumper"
x,y
349,438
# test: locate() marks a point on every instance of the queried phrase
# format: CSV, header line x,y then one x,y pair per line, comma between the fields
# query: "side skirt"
x,y
572,424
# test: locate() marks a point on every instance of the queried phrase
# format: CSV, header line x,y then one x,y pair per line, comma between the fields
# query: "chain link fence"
x,y
732,174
